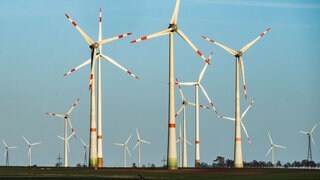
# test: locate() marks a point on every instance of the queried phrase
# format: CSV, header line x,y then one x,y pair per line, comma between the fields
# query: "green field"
x,y
156,173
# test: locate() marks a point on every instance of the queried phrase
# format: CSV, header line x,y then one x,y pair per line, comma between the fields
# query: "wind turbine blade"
x,y
229,50
33,144
270,138
269,150
5,153
127,141
136,145
5,144
187,83
118,144
128,151
84,144
204,68
72,134
119,66
174,17
247,109
73,106
184,37
85,35
78,67
312,139
247,46
61,138
73,131
203,106
180,90
275,145
56,115
13,147
157,34
100,27
208,98
182,107
25,139
137,134
227,118
114,38
243,78
245,131
314,127
144,141
303,132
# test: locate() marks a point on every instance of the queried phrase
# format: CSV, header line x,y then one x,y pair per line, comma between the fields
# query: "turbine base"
x,y
238,165
172,164
93,162
100,162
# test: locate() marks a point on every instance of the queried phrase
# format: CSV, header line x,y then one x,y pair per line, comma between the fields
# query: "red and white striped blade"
x,y
85,35
56,115
157,34
73,131
245,131
78,67
247,46
93,63
174,17
204,68
227,118
208,98
203,106
180,90
231,51
119,66
184,37
101,42
243,78
187,83
100,28
247,109
73,106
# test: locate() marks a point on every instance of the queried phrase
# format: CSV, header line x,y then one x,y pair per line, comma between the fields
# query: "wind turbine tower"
x,y
310,138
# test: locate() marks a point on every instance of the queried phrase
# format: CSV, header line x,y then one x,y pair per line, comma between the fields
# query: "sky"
x,y
38,45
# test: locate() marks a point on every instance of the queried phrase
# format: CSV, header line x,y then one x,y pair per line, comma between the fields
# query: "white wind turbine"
x,y
198,85
30,149
66,118
125,150
241,119
182,149
85,147
66,141
96,156
239,62
184,105
172,149
310,138
6,154
272,149
140,141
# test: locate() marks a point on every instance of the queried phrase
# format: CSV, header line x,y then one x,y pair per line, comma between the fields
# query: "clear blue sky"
x,y
38,45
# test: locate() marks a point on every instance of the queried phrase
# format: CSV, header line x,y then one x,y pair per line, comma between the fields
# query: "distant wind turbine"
x,y
182,140
6,154
30,149
125,150
272,149
310,138
85,148
140,141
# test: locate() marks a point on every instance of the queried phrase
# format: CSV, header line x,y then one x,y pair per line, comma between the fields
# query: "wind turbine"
x,y
66,147
125,150
184,105
310,138
197,131
30,149
272,149
85,147
66,118
6,154
182,149
96,156
140,141
241,119
239,62
172,149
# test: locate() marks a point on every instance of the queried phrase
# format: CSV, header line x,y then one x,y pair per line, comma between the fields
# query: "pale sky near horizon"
x,y
38,45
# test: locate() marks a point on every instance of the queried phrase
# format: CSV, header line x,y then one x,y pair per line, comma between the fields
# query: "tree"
x,y
278,164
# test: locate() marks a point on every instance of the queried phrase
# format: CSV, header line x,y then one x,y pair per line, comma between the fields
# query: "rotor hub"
x,y
94,45
174,27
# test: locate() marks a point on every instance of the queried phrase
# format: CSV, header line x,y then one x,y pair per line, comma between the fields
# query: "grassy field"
x,y
185,174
